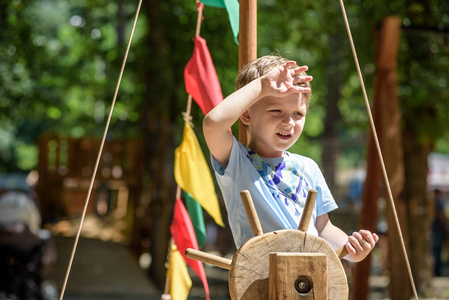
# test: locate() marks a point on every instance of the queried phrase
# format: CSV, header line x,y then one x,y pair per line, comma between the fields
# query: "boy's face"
x,y
275,124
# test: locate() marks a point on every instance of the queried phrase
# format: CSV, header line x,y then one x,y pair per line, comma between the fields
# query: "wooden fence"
x,y
65,169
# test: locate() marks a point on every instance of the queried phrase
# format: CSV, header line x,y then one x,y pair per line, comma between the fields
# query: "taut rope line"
x,y
97,163
379,152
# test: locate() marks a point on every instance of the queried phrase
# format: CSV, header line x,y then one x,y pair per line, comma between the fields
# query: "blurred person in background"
x,y
440,229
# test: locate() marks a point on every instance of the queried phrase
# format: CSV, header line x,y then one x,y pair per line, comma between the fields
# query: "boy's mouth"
x,y
284,135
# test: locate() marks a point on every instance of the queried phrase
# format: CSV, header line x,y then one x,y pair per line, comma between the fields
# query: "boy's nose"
x,y
288,121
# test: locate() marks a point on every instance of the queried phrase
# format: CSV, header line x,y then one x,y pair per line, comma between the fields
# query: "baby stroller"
x,y
22,245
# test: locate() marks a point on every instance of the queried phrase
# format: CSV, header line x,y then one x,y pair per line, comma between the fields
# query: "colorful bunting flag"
x,y
200,78
232,6
184,237
196,215
180,282
192,174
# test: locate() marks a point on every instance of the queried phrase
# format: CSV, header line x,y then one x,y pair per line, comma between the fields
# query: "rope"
x,y
379,152
99,155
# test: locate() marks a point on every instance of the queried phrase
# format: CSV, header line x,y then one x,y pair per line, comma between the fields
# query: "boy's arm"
x,y
280,81
359,244
217,122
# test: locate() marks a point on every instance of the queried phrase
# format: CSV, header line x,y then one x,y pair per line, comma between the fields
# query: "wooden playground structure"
x,y
284,264
66,164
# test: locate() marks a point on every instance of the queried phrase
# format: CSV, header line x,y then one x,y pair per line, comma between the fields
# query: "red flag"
x,y
201,79
184,236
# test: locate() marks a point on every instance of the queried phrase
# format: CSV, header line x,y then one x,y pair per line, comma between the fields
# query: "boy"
x,y
272,100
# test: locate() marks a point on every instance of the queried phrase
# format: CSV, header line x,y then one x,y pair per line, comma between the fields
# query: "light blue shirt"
x,y
278,187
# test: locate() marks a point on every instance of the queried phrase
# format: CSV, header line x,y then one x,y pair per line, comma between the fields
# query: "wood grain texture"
x,y
308,211
288,268
248,278
251,212
208,258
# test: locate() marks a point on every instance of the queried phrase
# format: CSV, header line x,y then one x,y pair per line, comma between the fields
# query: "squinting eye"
x,y
275,110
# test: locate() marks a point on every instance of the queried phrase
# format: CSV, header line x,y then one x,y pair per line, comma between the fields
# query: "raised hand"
x,y
285,80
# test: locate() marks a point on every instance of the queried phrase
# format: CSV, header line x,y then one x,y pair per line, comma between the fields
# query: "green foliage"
x,y
59,64
424,66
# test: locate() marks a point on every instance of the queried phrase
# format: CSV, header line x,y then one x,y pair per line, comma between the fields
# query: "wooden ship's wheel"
x,y
283,264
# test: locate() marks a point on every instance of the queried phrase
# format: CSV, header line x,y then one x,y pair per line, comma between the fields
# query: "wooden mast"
x,y
247,45
386,116
394,159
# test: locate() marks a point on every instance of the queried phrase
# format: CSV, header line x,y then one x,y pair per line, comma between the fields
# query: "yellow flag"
x,y
193,176
180,282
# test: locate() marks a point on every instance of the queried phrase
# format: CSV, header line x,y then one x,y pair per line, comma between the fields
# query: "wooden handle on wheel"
x,y
251,212
308,210
217,261
342,252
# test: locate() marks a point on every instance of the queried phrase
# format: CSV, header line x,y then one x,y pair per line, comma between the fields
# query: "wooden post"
x,y
247,32
385,114
251,212
247,45
208,258
394,154
299,276
308,210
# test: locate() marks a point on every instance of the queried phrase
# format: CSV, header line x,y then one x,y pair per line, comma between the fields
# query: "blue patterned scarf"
x,y
285,176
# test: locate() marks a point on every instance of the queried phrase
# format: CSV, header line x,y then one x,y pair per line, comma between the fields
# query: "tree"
x,y
424,63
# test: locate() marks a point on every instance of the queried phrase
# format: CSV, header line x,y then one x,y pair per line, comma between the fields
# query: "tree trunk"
x,y
418,143
158,118
418,209
121,24
329,138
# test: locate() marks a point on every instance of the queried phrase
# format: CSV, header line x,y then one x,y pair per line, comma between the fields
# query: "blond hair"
x,y
262,66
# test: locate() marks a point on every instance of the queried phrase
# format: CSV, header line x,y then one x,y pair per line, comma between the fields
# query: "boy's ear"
x,y
245,118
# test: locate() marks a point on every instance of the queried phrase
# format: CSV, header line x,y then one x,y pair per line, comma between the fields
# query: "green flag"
x,y
232,6
196,215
